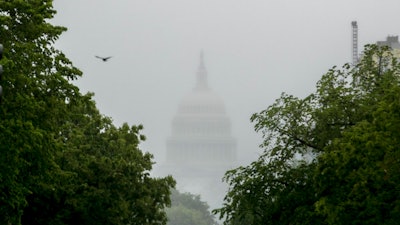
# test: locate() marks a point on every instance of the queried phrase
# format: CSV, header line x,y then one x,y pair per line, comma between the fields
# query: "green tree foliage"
x,y
36,87
330,157
105,177
188,209
61,161
358,174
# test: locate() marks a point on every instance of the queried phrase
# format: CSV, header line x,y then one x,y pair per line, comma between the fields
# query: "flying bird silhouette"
x,y
103,58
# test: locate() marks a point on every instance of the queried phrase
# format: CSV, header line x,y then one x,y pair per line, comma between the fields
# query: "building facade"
x,y
393,43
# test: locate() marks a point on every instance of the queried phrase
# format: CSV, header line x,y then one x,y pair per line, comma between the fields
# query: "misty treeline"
x,y
188,209
329,158
332,157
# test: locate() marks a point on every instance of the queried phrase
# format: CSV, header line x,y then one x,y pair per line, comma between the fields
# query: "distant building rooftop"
x,y
391,41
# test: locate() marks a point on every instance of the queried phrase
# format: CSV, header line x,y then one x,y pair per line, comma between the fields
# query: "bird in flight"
x,y
103,58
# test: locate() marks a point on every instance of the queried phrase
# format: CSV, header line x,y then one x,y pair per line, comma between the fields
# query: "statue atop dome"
x,y
201,82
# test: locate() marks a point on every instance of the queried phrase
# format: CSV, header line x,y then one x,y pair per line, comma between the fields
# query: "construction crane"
x,y
355,42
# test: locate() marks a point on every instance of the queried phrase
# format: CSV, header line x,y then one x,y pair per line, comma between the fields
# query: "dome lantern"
x,y
201,82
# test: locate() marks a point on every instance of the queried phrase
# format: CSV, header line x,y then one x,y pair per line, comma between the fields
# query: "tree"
x,y
106,176
300,177
357,179
61,161
36,87
187,209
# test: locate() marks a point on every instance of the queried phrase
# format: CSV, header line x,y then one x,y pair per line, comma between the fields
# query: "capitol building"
x,y
201,148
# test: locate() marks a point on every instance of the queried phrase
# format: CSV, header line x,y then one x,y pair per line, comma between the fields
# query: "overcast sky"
x,y
254,50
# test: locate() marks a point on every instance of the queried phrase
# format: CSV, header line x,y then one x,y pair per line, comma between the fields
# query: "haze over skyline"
x,y
253,50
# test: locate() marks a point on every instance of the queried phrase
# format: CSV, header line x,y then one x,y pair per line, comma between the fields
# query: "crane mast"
x,y
355,42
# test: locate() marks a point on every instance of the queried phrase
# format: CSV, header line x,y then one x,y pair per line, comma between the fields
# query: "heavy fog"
x,y
253,51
